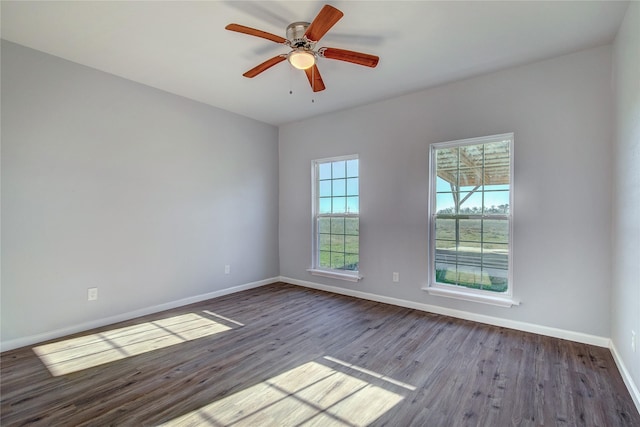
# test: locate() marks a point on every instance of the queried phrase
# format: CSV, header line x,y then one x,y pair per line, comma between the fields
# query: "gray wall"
x,y
147,195
111,184
560,111
625,304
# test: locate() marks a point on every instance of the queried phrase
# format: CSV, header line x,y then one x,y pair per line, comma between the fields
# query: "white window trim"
x,y
333,274
347,275
474,295
504,299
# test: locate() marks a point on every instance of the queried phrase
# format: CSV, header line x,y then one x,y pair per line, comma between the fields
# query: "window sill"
x,y
351,277
501,301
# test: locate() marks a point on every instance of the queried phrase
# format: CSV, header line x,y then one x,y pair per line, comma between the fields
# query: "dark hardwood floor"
x,y
286,355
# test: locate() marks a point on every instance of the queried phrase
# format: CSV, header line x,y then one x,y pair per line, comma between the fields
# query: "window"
x,y
470,213
336,210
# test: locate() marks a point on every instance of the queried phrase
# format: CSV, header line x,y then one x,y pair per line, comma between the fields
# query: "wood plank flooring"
x,y
285,355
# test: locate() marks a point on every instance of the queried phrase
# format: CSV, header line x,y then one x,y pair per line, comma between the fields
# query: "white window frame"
x,y
316,270
503,299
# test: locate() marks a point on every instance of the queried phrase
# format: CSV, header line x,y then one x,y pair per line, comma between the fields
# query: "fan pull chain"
x,y
290,79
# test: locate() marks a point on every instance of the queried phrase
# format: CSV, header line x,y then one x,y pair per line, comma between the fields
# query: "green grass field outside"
x,y
339,243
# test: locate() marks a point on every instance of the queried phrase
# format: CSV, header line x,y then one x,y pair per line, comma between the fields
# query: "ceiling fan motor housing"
x,y
295,35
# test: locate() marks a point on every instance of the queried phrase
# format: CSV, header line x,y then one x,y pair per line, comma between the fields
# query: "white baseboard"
x,y
626,376
49,335
490,320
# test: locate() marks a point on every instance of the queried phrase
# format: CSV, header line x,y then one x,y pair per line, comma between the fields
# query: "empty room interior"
x,y
320,213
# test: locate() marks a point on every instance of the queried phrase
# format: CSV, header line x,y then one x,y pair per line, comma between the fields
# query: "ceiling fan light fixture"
x,y
301,59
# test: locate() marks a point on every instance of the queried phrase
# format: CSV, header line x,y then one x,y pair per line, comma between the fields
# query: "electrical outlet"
x,y
92,294
396,276
633,341
227,269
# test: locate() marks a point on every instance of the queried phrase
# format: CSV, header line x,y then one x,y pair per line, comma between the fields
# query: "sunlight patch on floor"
x,y
219,316
76,354
369,372
312,394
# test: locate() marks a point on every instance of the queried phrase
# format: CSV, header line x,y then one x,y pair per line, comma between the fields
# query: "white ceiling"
x,y
182,47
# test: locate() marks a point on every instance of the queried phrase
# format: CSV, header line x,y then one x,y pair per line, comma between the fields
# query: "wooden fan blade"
x,y
253,32
264,66
349,56
326,18
315,80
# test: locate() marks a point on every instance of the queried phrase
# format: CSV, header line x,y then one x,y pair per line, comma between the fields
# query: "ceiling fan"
x,y
302,38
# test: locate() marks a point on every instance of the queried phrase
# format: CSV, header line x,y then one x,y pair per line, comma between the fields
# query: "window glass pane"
x,y
323,225
496,248
445,229
471,230
351,262
324,189
468,179
324,259
471,203
469,253
353,205
495,260
496,266
446,267
446,244
339,187
496,202
471,156
498,279
351,226
338,169
352,168
445,203
339,205
337,243
351,244
352,187
495,231
324,205
442,185
470,277
497,154
324,171
497,178
325,242
446,179
337,225
337,261
446,160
